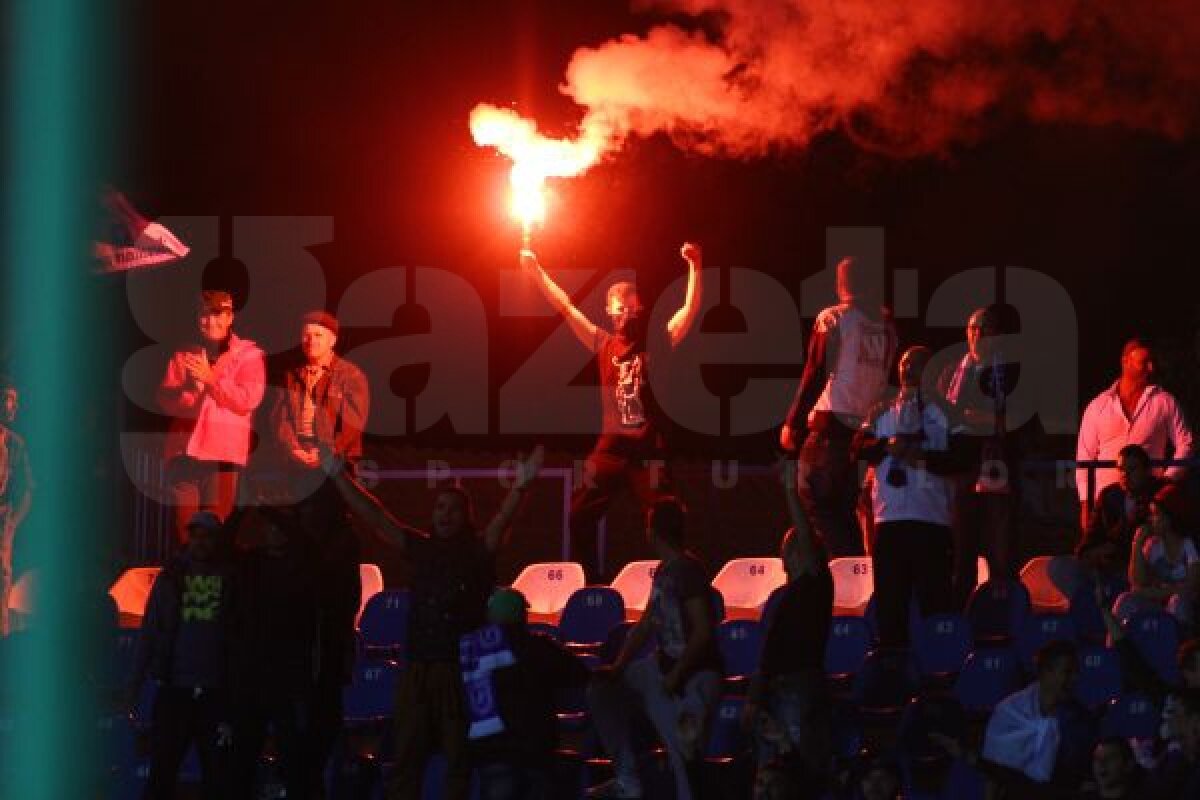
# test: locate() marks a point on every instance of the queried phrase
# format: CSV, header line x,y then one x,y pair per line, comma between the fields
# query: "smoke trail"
x,y
910,78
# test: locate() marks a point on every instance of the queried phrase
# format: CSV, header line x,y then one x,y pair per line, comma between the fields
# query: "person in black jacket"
x,y
277,659
788,704
1178,776
453,574
323,408
1121,508
517,763
185,647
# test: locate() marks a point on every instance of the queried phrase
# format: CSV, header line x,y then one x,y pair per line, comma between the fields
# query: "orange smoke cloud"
x,y
536,157
907,78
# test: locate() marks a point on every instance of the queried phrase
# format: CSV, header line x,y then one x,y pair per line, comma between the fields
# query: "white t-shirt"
x,y
858,370
925,497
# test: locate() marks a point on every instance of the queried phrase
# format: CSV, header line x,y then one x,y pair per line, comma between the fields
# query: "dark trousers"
x,y
325,709
828,486
324,521
503,780
292,724
910,558
182,717
984,525
605,474
430,716
200,486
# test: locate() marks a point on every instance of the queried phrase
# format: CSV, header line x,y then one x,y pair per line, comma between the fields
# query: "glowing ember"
x,y
535,157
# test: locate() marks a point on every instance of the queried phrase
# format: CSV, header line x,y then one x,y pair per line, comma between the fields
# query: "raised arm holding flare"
x,y
631,451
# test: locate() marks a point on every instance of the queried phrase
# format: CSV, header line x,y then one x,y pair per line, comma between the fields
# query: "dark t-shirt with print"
x,y
451,581
677,582
630,415
200,657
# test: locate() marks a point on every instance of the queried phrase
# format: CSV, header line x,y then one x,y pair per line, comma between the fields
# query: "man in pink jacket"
x,y
211,391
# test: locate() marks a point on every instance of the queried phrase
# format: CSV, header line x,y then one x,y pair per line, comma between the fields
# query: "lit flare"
x,y
534,158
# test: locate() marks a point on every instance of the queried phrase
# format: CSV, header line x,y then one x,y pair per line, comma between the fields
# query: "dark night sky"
x,y
359,111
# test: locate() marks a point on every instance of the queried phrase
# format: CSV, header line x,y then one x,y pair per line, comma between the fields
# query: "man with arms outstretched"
x,y
453,574
630,451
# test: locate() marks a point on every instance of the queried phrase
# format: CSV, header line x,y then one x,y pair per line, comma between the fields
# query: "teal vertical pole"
x,y
56,120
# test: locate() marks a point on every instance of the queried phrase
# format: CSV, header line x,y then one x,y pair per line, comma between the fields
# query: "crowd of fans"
x,y
251,644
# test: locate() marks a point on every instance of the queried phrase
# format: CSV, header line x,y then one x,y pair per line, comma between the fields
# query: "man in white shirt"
x,y
908,441
1134,410
850,353
1038,741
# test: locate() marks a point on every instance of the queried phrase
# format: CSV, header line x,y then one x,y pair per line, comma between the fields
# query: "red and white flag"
x,y
131,241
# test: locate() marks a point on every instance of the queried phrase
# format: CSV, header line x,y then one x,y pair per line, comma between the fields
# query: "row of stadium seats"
x,y
998,612
979,669
745,585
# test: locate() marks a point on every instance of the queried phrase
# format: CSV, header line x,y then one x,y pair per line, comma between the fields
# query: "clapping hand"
x,y
198,368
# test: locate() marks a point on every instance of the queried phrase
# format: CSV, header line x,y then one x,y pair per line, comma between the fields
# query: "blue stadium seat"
x,y
1099,680
963,782
1040,629
726,739
590,614
847,646
144,708
1156,636
941,643
885,683
384,623
124,646
740,641
117,740
997,609
1089,624
988,676
1131,716
369,697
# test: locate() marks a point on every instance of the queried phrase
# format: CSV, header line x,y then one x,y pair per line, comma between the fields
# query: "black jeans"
x,y
984,525
430,715
828,486
291,721
182,717
502,780
605,474
910,557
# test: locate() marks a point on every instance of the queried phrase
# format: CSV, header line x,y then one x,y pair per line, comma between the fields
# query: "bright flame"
x,y
535,157
527,200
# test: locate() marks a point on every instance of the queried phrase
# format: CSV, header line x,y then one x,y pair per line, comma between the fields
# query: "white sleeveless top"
x,y
858,361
